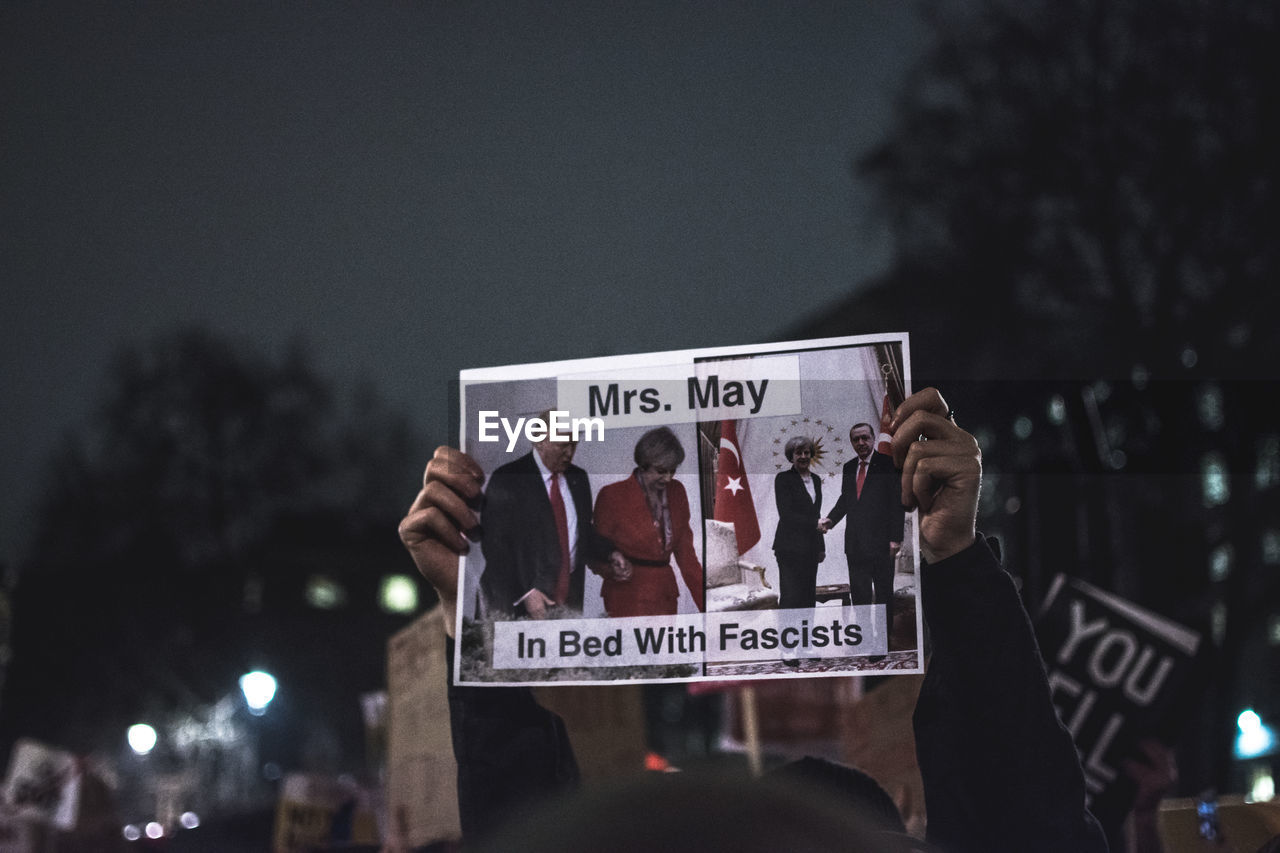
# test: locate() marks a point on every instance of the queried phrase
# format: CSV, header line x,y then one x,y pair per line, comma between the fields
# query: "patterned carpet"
x,y
908,660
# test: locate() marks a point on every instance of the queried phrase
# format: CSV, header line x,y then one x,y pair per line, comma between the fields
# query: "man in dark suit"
x,y
538,535
870,495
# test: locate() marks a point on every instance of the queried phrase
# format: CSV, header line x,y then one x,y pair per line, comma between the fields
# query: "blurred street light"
x,y
142,738
259,689
398,594
1256,738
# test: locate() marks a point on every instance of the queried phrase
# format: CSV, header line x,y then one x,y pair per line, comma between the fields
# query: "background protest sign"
x,y
422,786
43,784
1118,673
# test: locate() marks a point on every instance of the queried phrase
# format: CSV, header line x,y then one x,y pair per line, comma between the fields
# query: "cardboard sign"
x,y
316,810
633,504
605,724
1118,673
43,784
422,777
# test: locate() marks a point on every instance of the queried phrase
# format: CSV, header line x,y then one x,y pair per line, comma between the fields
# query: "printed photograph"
x,y
698,515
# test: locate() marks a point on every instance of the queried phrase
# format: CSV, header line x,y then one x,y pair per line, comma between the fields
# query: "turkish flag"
x,y
884,441
733,493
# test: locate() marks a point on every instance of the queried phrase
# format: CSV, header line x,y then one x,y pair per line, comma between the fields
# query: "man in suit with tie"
x,y
538,535
870,496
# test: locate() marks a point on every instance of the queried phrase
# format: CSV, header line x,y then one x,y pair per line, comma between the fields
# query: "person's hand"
x,y
621,566
432,528
822,555
894,548
941,473
1155,772
824,524
536,604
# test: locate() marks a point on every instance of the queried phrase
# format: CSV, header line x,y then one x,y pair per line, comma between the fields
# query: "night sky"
x,y
415,188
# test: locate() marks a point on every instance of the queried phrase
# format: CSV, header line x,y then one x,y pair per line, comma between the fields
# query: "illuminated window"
x,y
1262,785
253,594
1057,410
1215,485
1267,474
1139,376
1209,407
1271,547
324,593
399,594
1218,622
1220,562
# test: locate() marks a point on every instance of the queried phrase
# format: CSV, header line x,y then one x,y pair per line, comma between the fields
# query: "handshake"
x,y
824,524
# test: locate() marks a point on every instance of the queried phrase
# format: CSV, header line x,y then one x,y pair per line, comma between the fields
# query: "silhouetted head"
x,y
688,812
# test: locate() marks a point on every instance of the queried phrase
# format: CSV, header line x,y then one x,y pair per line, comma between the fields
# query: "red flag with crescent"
x,y
733,493
884,441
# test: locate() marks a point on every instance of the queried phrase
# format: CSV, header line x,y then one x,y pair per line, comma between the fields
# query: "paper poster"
x,y
686,516
1118,673
422,776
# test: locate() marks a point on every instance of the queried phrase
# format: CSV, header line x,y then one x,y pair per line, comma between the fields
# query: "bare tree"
x,y
203,456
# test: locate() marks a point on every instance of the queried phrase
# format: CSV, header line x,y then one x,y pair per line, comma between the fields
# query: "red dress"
x,y
622,516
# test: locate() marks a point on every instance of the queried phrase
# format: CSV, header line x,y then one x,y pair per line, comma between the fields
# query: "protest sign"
x,y
422,786
43,783
322,811
631,514
1118,673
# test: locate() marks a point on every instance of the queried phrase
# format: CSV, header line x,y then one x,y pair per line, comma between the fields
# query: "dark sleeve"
x,y
511,752
780,498
1000,772
501,577
598,547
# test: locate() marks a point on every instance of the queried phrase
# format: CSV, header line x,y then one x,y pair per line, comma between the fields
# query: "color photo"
x,y
685,516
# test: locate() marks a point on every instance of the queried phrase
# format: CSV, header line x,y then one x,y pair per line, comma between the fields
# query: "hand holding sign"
x,y
941,473
432,528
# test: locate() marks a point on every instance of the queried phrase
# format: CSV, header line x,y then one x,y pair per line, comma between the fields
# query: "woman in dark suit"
x,y
798,543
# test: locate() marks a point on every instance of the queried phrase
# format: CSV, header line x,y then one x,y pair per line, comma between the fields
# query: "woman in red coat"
x,y
646,516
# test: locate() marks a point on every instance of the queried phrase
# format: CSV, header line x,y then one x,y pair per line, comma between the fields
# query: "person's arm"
x,y
786,496
501,578
1155,773
1000,772
510,750
832,518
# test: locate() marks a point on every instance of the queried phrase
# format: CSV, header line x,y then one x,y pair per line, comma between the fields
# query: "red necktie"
x,y
562,529
862,475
